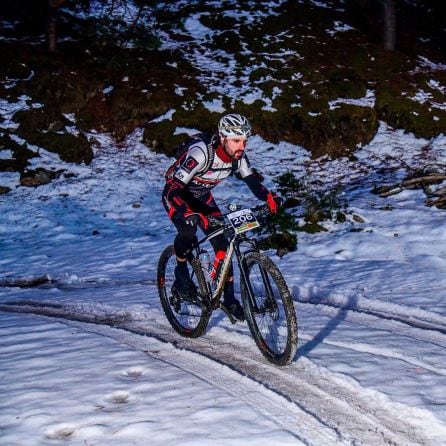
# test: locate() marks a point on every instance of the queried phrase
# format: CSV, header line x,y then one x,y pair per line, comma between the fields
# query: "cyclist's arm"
x,y
181,177
252,180
194,161
256,187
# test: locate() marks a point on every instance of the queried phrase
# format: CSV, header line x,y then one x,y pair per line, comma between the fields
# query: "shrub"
x,y
316,204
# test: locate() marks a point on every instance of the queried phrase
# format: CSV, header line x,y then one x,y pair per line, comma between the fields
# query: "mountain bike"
x,y
266,299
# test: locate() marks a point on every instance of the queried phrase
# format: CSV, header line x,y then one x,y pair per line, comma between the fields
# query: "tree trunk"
x,y
389,24
51,30
51,34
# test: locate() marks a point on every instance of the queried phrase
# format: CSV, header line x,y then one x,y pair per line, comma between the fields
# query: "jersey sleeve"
x,y
252,180
257,188
194,161
244,169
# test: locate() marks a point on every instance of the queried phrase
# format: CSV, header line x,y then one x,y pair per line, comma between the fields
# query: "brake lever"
x,y
216,222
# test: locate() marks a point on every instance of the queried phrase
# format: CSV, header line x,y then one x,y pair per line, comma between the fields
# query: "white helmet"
x,y
234,126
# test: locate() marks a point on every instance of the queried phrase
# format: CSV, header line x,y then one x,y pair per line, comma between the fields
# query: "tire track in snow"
x,y
174,350
380,351
415,318
431,329
376,322
316,405
270,404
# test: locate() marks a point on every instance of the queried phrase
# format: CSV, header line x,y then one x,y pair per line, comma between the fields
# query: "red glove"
x,y
274,202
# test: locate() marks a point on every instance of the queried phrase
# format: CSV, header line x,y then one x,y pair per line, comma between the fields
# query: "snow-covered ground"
x,y
90,358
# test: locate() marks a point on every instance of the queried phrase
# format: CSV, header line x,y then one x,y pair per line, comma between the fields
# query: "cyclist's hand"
x,y
274,202
194,219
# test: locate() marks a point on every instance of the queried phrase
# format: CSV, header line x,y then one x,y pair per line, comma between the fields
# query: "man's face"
x,y
234,147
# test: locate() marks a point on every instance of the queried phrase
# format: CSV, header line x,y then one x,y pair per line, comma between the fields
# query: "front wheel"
x,y
269,309
188,317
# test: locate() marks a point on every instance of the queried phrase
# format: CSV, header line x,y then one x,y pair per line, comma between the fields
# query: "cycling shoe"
x,y
183,285
233,309
185,291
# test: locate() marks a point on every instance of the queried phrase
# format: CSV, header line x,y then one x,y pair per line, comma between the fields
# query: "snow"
x,y
216,105
425,62
166,116
367,101
339,27
129,397
88,358
194,27
369,303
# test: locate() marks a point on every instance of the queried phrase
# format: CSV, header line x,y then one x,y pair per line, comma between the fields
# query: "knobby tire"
x,y
188,319
272,321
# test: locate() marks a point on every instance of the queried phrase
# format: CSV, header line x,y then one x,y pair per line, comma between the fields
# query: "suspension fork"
x,y
244,273
267,283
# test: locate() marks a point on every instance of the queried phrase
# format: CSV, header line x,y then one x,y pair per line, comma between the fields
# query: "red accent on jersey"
x,y
190,164
223,155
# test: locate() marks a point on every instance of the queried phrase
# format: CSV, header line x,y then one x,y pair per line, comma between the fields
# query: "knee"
x,y
184,240
187,232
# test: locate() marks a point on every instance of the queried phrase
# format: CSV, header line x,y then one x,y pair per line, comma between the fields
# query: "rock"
x,y
282,242
38,177
41,119
26,282
4,190
358,218
20,154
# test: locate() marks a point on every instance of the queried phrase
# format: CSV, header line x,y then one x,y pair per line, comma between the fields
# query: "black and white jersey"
x,y
200,174
203,165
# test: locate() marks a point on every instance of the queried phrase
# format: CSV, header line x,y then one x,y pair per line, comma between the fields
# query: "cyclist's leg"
x,y
218,243
230,302
186,232
184,239
204,205
182,245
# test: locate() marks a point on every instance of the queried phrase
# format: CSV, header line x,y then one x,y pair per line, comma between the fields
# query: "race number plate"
x,y
243,220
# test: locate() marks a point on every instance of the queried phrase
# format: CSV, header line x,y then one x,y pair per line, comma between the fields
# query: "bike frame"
x,y
235,242
267,302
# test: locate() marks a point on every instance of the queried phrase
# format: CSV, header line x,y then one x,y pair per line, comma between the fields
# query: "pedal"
x,y
175,302
190,297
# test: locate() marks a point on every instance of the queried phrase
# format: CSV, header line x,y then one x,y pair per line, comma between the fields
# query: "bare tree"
x,y
389,15
51,33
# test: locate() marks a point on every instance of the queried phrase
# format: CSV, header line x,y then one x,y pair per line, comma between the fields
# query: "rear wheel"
x,y
188,317
270,313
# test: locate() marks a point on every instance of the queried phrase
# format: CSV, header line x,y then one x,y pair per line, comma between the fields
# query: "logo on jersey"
x,y
190,164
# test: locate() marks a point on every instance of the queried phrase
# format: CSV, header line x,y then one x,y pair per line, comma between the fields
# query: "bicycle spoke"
x,y
270,319
270,311
188,317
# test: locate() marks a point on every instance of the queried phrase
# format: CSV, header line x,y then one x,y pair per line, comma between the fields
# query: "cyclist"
x,y
206,161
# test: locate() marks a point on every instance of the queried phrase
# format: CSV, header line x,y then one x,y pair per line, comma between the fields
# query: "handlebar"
x,y
261,212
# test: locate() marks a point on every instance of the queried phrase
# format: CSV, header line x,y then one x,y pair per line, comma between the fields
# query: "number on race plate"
x,y
243,220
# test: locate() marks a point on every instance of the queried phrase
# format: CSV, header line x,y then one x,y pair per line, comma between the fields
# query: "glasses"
x,y
238,128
